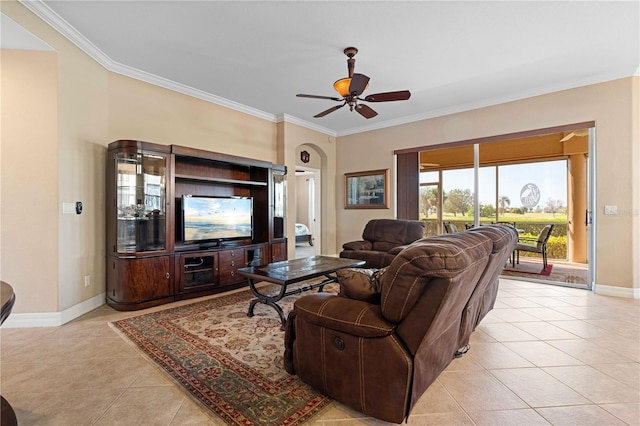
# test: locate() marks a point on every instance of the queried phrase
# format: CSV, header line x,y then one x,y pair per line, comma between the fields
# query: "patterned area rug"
x,y
231,363
556,273
531,268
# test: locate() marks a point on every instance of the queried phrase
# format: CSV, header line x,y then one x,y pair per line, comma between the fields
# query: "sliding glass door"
x,y
531,183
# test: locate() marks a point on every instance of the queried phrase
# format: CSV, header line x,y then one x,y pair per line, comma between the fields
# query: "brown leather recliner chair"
x,y
382,240
379,358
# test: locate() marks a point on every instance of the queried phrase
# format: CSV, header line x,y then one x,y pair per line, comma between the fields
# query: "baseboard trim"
x,y
611,290
54,319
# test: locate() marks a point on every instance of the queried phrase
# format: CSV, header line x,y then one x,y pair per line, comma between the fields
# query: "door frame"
x,y
316,226
406,193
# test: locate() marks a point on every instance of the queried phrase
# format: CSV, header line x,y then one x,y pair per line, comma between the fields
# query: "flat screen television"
x,y
216,219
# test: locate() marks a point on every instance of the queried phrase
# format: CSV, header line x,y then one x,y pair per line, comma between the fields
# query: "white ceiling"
x,y
452,56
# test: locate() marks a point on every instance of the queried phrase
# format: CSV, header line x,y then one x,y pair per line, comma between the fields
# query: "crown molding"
x,y
44,12
40,9
150,78
311,126
539,91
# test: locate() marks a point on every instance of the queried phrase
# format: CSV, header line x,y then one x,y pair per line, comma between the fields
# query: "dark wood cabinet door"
x,y
196,272
140,280
278,251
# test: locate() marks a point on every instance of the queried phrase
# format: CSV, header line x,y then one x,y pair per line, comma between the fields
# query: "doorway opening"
x,y
307,223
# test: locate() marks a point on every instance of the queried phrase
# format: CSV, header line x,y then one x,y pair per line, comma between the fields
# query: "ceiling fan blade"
x,y
300,95
358,84
401,95
330,110
366,111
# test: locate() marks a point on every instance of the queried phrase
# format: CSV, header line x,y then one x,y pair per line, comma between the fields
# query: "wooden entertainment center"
x,y
148,261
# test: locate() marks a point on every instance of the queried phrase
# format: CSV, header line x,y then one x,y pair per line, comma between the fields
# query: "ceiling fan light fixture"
x,y
342,86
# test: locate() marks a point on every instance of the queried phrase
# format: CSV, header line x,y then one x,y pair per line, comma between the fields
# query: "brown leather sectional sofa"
x,y
382,240
378,355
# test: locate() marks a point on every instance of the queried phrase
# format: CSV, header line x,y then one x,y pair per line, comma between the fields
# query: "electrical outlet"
x,y
87,280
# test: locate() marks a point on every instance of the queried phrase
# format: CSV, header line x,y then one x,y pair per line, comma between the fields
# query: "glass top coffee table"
x,y
290,272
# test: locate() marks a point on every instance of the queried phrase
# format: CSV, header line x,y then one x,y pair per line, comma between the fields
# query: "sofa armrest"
x,y
357,245
342,314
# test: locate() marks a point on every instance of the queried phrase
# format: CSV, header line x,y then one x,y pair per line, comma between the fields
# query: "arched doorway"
x,y
308,201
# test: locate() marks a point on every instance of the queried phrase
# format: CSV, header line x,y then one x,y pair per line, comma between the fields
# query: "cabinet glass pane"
x,y
279,204
140,202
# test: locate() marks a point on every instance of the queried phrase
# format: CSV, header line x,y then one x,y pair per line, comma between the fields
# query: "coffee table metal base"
x,y
271,300
290,272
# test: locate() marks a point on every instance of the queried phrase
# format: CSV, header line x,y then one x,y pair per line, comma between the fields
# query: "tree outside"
x,y
503,203
428,201
457,201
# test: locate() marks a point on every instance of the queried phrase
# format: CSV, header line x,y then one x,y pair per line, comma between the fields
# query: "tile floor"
x,y
544,355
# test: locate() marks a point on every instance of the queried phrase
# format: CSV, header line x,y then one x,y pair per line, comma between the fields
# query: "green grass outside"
x,y
531,223
507,217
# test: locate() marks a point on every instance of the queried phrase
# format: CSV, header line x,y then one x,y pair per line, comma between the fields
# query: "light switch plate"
x,y
611,210
68,208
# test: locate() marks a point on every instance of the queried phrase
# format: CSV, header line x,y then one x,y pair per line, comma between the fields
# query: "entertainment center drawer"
x,y
230,261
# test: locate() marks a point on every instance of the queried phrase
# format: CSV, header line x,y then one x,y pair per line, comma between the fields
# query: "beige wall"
x,y
29,176
75,147
612,105
141,111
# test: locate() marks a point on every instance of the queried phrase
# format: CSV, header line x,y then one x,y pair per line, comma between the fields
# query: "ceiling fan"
x,y
351,88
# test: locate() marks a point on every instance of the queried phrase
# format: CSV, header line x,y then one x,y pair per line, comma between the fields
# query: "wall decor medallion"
x,y
367,190
305,156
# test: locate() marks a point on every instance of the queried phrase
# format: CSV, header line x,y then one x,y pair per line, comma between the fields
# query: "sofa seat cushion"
x,y
382,245
341,314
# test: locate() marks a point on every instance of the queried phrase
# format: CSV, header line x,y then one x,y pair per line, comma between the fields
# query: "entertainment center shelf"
x,y
220,180
181,221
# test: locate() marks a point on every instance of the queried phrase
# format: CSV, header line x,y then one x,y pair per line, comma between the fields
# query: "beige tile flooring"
x,y
544,355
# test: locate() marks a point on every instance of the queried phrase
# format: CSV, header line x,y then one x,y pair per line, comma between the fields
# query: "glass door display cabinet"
x,y
279,208
140,201
138,264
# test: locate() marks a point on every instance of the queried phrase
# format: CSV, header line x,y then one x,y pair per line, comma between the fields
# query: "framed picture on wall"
x,y
367,190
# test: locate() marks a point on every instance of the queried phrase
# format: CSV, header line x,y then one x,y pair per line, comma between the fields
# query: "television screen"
x,y
216,218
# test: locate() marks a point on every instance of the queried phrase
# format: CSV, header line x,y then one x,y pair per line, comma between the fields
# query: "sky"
x,y
550,177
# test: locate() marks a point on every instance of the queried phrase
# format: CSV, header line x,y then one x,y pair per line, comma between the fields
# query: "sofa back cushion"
x,y
427,272
388,233
504,239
